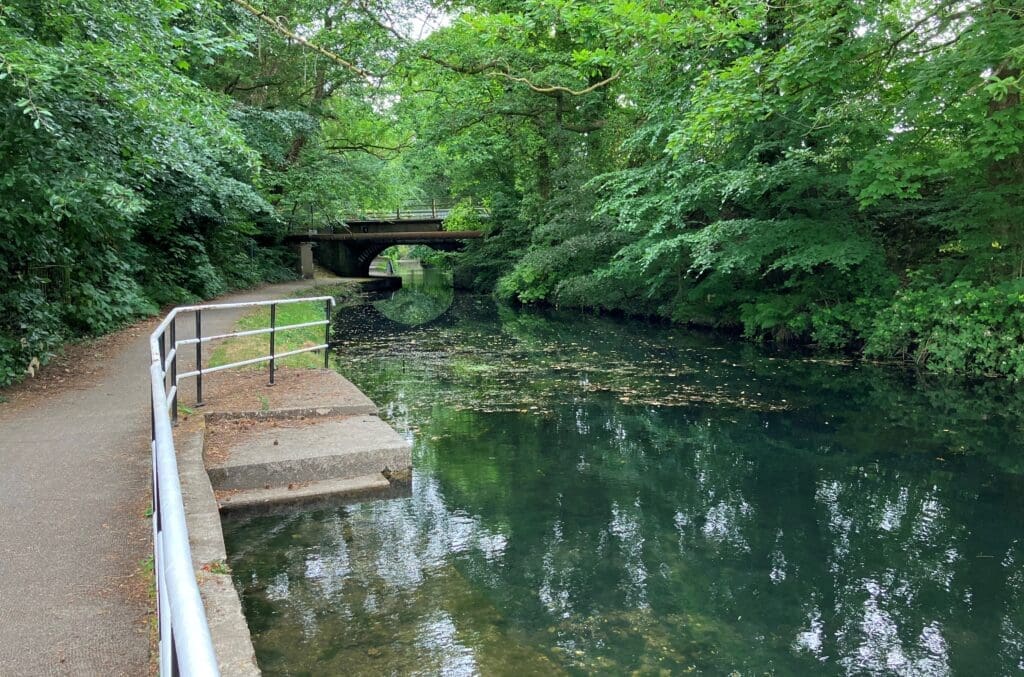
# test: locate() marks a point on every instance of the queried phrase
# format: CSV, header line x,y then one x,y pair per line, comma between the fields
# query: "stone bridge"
x,y
349,249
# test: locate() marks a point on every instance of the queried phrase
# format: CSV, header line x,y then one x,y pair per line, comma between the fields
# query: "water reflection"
x,y
869,526
425,296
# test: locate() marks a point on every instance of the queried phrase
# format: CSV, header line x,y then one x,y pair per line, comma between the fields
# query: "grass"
x,y
147,570
248,347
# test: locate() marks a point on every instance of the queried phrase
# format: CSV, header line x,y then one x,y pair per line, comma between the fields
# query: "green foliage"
x,y
777,169
464,216
156,153
479,267
126,184
545,273
956,329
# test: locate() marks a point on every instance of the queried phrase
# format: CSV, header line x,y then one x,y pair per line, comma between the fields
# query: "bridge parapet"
x,y
407,218
435,210
349,249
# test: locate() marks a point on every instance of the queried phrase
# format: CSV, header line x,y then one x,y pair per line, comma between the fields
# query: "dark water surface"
x,y
593,495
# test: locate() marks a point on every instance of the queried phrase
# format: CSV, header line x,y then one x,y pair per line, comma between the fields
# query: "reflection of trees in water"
x,y
379,580
644,547
866,569
826,537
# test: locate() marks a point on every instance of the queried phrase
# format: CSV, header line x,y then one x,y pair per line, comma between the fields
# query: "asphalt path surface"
x,y
74,490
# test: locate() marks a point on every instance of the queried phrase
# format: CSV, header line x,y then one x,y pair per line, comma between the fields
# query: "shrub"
x,y
956,329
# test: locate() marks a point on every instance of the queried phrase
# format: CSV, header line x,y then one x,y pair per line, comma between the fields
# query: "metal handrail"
x,y
185,643
435,209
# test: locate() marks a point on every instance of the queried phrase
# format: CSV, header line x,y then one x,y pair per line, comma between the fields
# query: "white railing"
x,y
185,644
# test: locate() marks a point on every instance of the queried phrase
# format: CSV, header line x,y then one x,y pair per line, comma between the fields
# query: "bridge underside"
x,y
350,254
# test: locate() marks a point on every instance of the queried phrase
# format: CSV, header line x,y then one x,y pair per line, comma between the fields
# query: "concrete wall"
x,y
306,260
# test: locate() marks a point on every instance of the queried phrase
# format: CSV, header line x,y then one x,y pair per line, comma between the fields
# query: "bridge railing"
x,y
435,209
185,643
413,211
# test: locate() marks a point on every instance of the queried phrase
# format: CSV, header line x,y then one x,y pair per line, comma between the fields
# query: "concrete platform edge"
x,y
284,414
314,495
232,640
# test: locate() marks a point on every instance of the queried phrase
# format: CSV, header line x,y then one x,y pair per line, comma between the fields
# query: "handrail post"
x,y
174,369
327,333
273,333
163,360
199,358
152,418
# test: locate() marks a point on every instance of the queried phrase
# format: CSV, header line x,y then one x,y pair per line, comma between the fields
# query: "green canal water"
x,y
593,495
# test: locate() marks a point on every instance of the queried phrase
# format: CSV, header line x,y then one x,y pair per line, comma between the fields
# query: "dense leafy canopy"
x,y
844,174
847,174
149,151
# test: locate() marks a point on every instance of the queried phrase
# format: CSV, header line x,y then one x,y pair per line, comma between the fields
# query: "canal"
x,y
599,495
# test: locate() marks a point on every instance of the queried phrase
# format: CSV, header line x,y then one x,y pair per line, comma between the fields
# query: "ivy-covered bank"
x,y
848,175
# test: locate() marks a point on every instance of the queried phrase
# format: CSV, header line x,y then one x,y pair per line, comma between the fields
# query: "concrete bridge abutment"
x,y
343,259
306,260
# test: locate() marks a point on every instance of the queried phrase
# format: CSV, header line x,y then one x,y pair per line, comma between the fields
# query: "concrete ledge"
x,y
313,494
231,639
287,414
272,455
201,514
296,392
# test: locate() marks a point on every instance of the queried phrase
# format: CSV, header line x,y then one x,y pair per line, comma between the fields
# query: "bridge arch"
x,y
350,253
367,253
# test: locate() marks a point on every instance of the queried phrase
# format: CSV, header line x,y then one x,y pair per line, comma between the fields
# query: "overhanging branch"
x,y
500,70
556,89
377,151
291,35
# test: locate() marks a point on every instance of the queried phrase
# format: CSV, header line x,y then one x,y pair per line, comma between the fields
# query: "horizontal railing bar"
x,y
154,347
420,206
255,360
250,332
404,236
253,304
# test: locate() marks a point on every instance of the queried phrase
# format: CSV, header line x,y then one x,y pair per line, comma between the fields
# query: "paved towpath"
x,y
74,488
